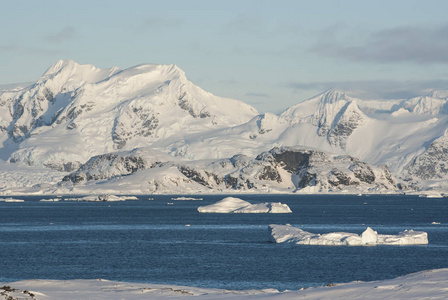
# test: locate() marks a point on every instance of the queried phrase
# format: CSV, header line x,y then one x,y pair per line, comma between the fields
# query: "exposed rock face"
x,y
315,168
349,118
362,171
107,166
433,163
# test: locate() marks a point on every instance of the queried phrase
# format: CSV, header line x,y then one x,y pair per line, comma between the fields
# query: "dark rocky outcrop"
x,y
106,166
433,163
285,167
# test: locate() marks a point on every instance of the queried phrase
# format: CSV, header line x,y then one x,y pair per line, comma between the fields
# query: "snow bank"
x,y
236,205
288,234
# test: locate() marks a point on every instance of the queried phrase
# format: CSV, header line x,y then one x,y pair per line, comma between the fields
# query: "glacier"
x,y
148,129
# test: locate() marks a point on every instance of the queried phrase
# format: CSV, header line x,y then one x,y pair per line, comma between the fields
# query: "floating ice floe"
x,y
102,198
289,234
50,200
431,195
11,200
236,205
186,198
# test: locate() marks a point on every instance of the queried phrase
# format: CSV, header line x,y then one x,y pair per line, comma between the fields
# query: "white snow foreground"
x,y
432,284
289,234
236,205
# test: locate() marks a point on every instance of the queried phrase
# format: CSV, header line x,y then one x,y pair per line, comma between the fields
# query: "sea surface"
x,y
169,242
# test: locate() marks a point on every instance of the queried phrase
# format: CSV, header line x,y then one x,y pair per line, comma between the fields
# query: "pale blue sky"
x,y
270,54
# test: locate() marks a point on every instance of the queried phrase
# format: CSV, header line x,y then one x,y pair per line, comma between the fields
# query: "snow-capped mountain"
x,y
149,129
74,112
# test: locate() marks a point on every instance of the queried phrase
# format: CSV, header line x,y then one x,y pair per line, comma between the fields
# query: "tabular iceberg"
x,y
289,234
236,205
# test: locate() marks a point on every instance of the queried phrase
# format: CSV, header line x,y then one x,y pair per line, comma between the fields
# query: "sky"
x,y
269,54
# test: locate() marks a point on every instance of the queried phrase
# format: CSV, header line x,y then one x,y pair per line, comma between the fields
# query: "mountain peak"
x,y
65,71
329,100
439,94
60,65
332,96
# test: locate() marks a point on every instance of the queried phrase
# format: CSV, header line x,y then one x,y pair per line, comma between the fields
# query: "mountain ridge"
x,y
74,113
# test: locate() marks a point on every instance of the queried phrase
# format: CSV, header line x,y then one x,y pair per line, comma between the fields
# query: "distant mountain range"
x,y
147,129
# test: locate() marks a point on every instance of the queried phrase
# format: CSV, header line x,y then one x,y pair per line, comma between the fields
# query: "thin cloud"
x,y
229,82
256,24
260,95
400,44
375,89
157,23
64,34
29,50
245,23
8,48
41,51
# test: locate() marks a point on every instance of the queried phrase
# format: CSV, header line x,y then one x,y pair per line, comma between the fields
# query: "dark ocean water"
x,y
147,241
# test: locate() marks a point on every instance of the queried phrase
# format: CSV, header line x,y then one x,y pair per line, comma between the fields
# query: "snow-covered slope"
x,y
87,121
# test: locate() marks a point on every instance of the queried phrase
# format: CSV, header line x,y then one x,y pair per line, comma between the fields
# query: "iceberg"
x,y
288,234
50,200
263,208
236,205
186,199
11,200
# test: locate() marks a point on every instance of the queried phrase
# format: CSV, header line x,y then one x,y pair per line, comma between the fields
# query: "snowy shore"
x,y
426,284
